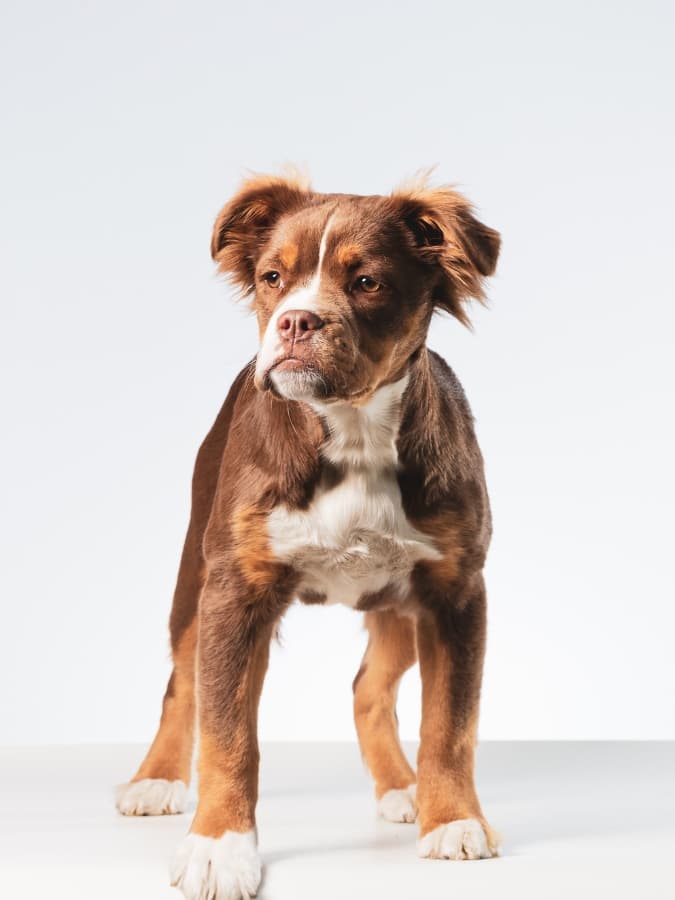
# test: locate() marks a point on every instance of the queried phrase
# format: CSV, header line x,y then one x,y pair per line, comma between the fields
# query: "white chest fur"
x,y
354,538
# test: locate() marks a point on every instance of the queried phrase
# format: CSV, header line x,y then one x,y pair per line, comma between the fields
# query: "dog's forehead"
x,y
342,226
296,237
360,225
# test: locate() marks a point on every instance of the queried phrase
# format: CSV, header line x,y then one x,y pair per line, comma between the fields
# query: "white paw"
x,y
398,805
225,868
151,797
462,839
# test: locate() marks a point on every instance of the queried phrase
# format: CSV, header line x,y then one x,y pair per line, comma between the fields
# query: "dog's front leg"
x,y
451,644
219,858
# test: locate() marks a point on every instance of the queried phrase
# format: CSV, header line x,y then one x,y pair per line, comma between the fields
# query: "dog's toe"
x,y
461,839
398,805
225,868
151,797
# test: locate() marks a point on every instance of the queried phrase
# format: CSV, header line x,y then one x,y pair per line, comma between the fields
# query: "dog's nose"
x,y
298,324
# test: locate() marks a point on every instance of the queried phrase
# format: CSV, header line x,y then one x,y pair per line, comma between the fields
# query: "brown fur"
x,y
390,653
427,251
451,652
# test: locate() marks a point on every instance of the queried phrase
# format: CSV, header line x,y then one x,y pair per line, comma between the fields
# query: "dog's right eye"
x,y
272,278
367,284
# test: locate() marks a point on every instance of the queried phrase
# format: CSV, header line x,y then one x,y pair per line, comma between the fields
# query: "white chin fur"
x,y
225,868
398,805
151,797
461,839
301,384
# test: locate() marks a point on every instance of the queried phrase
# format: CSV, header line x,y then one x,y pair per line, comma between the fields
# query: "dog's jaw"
x,y
304,384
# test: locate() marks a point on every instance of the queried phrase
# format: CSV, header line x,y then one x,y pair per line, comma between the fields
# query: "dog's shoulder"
x,y
267,449
451,392
442,475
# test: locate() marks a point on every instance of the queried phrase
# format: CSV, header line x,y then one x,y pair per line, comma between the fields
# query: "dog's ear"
x,y
242,224
447,235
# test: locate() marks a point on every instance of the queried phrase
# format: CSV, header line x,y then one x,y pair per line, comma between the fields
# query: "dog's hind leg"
x,y
391,651
160,785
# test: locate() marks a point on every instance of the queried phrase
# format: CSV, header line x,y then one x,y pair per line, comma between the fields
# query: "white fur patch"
x,y
364,436
271,347
354,538
462,839
151,797
398,805
225,868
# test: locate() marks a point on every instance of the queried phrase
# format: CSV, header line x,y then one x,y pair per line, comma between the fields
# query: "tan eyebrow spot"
x,y
348,254
289,255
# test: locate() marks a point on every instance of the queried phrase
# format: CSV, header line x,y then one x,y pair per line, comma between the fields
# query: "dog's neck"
x,y
364,436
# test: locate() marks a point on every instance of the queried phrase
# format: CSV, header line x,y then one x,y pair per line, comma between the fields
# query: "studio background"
x,y
127,126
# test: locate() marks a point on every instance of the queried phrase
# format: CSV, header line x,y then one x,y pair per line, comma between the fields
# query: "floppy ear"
x,y
447,235
243,223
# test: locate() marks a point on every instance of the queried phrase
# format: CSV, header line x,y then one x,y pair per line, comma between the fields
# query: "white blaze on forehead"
x,y
322,244
304,297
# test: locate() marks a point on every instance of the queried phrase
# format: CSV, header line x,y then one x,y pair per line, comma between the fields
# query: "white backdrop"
x,y
127,125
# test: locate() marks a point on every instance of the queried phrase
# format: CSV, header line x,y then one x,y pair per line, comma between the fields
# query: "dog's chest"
x,y
354,538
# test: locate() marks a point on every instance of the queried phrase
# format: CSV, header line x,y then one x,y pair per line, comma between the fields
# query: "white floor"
x,y
578,820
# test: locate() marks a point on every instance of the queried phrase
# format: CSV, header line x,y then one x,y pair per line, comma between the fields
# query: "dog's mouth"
x,y
295,379
291,364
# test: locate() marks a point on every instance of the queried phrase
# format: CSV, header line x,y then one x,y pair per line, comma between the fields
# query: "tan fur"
x,y
228,758
445,761
289,255
251,546
348,255
170,755
390,653
447,539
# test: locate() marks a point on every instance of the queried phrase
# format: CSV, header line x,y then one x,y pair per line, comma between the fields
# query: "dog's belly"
x,y
352,541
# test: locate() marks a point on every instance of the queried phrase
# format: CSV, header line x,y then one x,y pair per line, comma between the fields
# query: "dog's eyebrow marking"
x,y
349,255
288,255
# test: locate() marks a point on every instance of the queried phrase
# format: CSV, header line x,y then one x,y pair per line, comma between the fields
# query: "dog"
x,y
343,467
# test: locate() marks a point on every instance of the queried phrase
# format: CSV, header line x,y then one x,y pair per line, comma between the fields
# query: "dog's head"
x,y
344,286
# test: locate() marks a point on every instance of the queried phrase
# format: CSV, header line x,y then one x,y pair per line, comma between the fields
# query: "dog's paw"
x,y
151,797
461,839
225,868
398,805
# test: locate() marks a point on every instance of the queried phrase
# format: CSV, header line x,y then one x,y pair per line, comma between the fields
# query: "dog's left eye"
x,y
367,284
272,278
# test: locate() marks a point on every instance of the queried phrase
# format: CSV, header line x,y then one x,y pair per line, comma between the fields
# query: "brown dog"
x,y
343,467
